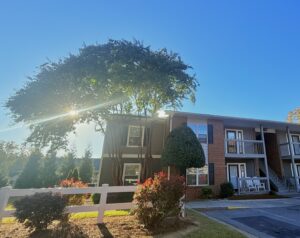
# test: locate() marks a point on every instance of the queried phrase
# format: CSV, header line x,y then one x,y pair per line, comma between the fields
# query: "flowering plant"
x,y
74,199
158,198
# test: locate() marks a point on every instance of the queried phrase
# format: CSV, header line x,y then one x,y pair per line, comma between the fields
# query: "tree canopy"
x,y
294,116
183,149
116,77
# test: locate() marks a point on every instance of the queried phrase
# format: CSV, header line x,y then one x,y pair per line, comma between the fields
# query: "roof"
x,y
240,121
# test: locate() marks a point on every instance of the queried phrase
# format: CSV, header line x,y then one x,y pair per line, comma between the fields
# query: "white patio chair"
x,y
258,184
250,185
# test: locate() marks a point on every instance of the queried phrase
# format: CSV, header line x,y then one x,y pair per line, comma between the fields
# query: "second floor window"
x,y
200,130
135,136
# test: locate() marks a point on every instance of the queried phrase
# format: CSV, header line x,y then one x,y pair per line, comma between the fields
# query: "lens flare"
x,y
71,113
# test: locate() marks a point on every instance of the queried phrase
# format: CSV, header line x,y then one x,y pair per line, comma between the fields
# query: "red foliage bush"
x,y
74,199
158,198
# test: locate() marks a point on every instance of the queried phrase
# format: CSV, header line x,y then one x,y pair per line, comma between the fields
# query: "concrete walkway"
x,y
255,203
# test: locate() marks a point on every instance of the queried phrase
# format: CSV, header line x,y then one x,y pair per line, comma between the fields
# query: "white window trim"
x,y
239,167
238,148
197,178
142,139
126,164
296,164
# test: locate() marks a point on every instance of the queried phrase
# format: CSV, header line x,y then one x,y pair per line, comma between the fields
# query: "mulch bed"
x,y
121,226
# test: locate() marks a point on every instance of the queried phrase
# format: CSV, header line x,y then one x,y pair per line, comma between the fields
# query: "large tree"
x,y
294,115
119,77
183,150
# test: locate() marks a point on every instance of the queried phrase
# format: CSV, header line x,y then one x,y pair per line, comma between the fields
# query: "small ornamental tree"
x,y
86,167
30,176
158,198
183,150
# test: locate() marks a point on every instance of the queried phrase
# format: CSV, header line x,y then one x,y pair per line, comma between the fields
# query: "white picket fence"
x,y
7,192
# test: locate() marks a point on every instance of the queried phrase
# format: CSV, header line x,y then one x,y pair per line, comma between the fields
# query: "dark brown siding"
x,y
216,154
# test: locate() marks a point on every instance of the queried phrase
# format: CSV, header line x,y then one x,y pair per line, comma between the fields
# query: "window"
x,y
296,144
197,176
297,169
135,136
200,129
234,141
131,173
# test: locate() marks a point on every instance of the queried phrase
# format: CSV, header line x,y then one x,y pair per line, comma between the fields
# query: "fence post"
x,y
4,196
102,203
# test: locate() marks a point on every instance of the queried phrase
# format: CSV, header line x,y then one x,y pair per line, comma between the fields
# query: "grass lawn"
x,y
79,215
210,228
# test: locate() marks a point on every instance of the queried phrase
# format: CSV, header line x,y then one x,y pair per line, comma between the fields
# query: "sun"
x,y
73,113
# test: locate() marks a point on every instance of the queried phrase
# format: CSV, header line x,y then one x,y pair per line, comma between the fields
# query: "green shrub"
x,y
157,199
227,190
96,198
206,192
39,210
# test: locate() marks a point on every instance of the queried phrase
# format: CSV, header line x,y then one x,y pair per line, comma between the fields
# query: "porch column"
x,y
292,158
265,156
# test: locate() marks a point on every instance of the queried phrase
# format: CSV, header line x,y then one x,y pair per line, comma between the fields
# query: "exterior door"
x,y
233,171
234,144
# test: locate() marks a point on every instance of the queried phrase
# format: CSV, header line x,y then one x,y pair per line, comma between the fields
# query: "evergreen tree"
x,y
68,165
49,176
30,176
183,150
86,167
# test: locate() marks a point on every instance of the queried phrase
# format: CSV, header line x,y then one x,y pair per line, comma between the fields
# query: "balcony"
x,y
235,148
285,149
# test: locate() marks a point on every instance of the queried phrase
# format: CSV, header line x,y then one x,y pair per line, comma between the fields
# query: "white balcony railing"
x,y
244,148
253,185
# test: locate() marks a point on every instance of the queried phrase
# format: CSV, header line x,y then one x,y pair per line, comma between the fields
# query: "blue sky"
x,y
245,53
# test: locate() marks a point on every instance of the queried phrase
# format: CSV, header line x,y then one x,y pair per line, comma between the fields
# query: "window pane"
x,y
203,175
131,174
191,179
134,141
135,135
200,130
135,131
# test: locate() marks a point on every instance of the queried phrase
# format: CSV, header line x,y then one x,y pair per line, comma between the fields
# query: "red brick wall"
x,y
216,154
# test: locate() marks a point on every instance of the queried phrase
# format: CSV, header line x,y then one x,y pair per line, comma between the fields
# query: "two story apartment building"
x,y
254,155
